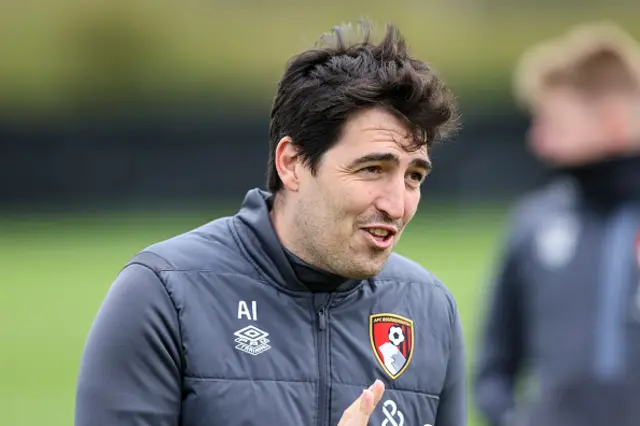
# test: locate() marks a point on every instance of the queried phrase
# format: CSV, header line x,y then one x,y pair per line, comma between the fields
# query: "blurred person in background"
x,y
564,313
284,312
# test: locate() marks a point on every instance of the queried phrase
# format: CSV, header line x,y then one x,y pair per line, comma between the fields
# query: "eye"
x,y
372,170
416,177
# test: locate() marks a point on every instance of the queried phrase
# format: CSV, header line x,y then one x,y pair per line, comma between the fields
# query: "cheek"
x,y
358,196
559,137
412,200
341,204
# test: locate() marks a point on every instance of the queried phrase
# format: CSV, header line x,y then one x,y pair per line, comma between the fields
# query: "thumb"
x,y
370,398
367,403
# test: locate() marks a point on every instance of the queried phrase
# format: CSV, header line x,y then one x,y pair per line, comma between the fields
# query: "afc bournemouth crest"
x,y
392,342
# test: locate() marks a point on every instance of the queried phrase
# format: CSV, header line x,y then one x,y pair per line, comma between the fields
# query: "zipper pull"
x,y
322,317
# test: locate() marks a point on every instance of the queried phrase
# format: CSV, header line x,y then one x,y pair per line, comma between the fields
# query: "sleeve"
x,y
501,343
452,410
130,372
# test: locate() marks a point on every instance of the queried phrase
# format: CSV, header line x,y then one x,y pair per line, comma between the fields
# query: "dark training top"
x,y
222,326
565,304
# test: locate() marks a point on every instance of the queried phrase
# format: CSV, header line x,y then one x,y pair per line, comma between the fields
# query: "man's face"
x,y
350,215
567,129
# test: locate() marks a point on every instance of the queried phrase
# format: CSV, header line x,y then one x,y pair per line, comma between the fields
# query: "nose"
x,y
392,198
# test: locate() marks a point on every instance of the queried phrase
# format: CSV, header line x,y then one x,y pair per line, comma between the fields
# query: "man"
x,y
284,312
564,306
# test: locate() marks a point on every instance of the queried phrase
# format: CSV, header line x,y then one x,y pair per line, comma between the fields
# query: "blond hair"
x,y
592,58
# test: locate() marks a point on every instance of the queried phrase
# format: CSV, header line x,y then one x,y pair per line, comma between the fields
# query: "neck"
x,y
610,181
633,148
314,278
282,222
623,149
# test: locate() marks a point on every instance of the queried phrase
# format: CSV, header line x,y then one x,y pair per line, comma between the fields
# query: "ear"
x,y
287,162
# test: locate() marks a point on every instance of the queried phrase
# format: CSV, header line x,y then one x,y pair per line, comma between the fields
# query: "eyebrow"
x,y
387,157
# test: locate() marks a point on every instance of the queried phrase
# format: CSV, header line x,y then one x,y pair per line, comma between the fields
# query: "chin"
x,y
365,271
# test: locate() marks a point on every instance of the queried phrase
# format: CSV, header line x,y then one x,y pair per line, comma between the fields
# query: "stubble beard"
x,y
343,259
319,246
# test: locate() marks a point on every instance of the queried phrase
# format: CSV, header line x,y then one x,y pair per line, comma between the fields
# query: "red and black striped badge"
x,y
391,338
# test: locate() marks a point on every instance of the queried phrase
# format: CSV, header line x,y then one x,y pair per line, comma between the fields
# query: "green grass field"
x,y
55,271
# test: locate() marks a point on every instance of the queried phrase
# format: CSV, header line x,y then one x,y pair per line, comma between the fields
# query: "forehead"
x,y
563,96
377,130
558,101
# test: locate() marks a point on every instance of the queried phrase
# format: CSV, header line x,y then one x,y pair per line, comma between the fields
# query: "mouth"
x,y
381,235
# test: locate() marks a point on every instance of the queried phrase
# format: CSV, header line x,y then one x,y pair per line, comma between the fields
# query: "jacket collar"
x,y
609,182
259,239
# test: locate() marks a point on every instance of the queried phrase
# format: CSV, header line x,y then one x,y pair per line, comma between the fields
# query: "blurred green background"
x,y
61,52
94,164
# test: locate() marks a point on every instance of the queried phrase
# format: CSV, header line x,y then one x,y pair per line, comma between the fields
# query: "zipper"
x,y
324,388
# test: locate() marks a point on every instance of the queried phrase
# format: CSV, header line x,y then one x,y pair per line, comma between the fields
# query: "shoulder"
x,y
207,247
559,194
425,285
404,270
536,207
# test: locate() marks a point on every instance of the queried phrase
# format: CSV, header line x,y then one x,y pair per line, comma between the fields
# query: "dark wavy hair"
x,y
346,73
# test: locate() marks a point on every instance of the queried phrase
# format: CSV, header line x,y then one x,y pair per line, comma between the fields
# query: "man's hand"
x,y
359,412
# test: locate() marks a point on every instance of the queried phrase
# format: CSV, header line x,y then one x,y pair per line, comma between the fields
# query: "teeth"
x,y
379,232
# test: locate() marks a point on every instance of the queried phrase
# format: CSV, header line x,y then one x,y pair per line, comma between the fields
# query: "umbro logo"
x,y
252,340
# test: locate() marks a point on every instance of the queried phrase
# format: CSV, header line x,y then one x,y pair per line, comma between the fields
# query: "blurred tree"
x,y
114,49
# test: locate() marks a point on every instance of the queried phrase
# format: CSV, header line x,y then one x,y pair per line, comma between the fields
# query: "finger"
x,y
377,389
358,413
367,401
366,404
